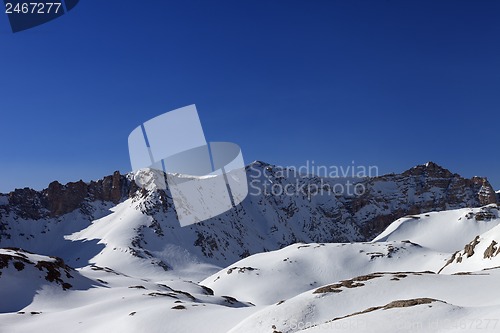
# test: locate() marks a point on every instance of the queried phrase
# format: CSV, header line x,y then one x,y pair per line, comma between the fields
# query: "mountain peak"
x,y
431,164
430,169
259,163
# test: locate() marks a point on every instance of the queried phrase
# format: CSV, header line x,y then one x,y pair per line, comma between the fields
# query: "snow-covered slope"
x,y
387,302
481,251
23,274
119,302
470,236
259,278
459,227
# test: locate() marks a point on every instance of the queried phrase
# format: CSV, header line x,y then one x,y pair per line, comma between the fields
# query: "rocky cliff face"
x,y
59,199
312,209
423,188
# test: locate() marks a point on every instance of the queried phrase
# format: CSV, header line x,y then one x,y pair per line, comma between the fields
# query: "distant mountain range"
x,y
38,220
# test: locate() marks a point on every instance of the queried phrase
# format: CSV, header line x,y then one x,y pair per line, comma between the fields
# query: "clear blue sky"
x,y
387,83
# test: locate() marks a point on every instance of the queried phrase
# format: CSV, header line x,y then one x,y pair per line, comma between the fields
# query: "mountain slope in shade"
x,y
23,274
117,301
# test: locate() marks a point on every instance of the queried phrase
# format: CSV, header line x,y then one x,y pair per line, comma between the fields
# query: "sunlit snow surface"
x,y
390,284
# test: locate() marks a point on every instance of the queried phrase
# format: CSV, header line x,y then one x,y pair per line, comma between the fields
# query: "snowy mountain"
x,y
107,256
68,220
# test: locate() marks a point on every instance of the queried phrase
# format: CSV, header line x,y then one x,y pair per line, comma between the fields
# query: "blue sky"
x,y
386,83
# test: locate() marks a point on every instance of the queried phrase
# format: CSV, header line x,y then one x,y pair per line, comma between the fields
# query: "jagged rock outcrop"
x,y
53,269
491,250
423,188
486,193
60,199
469,248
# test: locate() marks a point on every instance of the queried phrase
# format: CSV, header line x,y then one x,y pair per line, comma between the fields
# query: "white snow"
x,y
460,227
307,266
457,298
119,284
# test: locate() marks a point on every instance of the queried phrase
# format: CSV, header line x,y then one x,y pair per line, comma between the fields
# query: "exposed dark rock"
x,y
240,269
469,248
487,194
352,283
456,192
395,304
55,271
58,199
409,302
491,250
179,307
207,291
484,215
